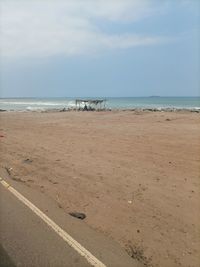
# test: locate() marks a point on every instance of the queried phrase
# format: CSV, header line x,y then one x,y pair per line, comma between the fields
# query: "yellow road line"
x,y
65,236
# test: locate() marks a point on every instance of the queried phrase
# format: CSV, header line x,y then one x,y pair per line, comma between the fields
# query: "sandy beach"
x,y
136,175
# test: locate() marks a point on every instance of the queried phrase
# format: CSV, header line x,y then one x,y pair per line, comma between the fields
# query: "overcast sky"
x,y
99,48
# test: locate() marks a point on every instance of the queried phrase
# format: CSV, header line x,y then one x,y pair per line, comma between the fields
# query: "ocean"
x,y
34,104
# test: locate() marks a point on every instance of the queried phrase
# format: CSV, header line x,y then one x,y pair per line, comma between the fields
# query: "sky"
x,y
99,48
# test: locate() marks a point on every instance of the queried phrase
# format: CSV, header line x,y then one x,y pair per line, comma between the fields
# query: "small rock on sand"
x,y
78,215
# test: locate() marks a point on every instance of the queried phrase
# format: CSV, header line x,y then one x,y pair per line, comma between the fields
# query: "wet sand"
x,y
136,175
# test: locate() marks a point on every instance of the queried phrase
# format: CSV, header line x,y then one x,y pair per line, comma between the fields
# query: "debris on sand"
x,y
51,181
63,110
137,253
78,215
14,177
8,170
58,201
18,179
28,160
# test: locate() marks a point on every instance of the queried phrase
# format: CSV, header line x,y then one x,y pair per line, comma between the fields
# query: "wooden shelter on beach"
x,y
90,104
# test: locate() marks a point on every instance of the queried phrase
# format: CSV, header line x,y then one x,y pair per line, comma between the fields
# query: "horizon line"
x,y
149,96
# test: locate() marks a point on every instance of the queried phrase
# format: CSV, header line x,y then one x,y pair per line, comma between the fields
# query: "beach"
x,y
135,174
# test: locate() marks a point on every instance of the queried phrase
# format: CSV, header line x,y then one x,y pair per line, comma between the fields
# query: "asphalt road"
x,y
27,241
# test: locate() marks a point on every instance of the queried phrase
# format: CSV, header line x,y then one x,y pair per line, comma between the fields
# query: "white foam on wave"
x,y
33,103
71,104
35,108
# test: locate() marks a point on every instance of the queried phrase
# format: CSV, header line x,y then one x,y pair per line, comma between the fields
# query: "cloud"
x,y
49,28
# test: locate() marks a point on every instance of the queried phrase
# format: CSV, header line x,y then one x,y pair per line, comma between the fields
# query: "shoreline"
x,y
167,109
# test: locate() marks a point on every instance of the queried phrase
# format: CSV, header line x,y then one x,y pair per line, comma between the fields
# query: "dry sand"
x,y
135,175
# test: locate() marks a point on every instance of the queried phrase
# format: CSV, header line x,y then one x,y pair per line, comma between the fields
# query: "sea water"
x,y
21,104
